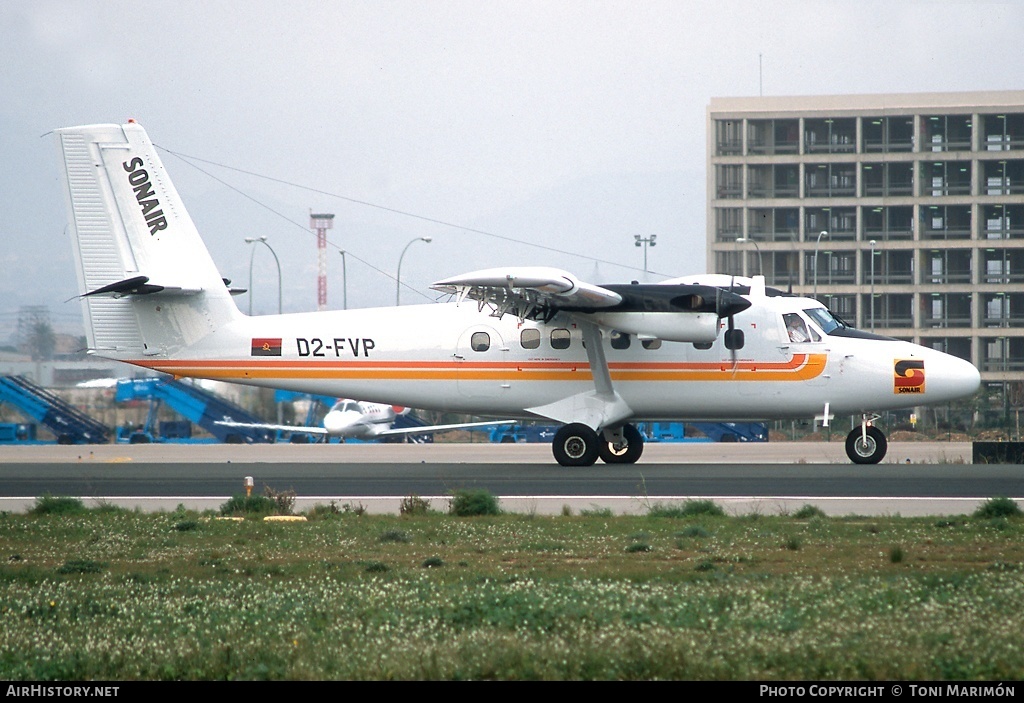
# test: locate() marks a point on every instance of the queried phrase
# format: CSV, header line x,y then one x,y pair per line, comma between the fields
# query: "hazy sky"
x,y
509,132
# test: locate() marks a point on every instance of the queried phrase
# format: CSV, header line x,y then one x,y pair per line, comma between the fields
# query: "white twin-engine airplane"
x,y
357,419
514,342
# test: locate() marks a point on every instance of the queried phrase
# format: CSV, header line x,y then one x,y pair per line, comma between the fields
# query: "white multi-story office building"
x,y
903,213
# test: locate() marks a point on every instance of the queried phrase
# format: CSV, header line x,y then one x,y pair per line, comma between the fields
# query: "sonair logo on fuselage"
x,y
908,376
138,178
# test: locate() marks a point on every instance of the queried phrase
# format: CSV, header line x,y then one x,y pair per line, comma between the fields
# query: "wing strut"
x,y
599,408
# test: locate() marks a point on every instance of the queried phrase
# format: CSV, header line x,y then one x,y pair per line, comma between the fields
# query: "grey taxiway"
x,y
916,478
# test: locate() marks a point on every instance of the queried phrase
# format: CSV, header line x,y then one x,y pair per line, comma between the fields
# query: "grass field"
x,y
680,593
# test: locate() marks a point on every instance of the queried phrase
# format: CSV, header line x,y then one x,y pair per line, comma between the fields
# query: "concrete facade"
x,y
903,213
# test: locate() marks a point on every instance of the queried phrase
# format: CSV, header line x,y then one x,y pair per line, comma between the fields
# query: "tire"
x,y
624,455
870,452
575,444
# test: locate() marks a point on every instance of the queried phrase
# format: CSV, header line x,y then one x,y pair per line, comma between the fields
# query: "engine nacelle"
x,y
699,328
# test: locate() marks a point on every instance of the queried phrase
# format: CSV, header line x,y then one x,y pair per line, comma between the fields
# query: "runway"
x,y
917,478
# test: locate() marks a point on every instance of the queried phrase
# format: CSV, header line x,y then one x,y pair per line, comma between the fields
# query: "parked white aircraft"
x,y
357,419
514,342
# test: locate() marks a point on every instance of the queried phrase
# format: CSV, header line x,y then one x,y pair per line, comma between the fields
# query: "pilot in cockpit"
x,y
796,327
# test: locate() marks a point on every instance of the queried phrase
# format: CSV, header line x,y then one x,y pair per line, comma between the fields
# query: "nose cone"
x,y
951,378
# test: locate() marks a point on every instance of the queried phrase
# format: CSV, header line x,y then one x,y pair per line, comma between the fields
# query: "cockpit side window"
x,y
796,328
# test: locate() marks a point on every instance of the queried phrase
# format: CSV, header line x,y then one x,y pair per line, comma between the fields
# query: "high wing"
x,y
676,312
528,291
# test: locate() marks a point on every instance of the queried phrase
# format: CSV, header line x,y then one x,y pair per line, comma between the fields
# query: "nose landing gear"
x,y
866,444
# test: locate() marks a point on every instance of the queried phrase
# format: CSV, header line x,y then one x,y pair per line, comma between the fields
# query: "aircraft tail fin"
x,y
146,280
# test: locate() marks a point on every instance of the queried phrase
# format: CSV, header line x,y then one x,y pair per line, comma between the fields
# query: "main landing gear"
x,y
577,444
866,444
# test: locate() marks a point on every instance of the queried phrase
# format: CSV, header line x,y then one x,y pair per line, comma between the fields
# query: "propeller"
x,y
733,337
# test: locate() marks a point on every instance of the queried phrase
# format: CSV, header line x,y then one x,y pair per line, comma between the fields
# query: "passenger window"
x,y
560,338
529,338
651,343
620,340
703,346
480,341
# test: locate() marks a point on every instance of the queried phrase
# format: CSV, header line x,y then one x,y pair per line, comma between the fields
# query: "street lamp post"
x,y
760,262
872,299
823,234
644,242
263,240
344,282
398,276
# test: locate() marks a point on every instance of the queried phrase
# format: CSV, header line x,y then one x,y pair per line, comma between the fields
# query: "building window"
x,y
946,310
1003,266
774,224
830,136
1003,221
1003,177
839,222
946,133
887,179
1002,132
1003,309
888,134
728,137
729,262
947,266
1002,354
890,310
729,182
892,267
830,180
946,222
728,224
946,178
773,136
773,181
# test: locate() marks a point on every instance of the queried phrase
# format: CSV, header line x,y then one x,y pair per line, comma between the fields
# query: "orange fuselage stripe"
x,y
800,367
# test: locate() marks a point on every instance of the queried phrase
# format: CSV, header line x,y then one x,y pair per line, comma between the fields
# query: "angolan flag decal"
x,y
266,346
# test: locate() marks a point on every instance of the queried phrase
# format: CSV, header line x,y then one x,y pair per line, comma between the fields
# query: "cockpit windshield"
x,y
824,319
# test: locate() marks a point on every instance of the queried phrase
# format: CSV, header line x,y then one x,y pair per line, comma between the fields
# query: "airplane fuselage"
x,y
453,357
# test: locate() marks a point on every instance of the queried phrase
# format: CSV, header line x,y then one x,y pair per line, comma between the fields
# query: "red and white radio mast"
x,y
321,223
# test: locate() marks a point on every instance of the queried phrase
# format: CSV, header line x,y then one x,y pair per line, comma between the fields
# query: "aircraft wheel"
x,y
627,453
575,444
870,451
